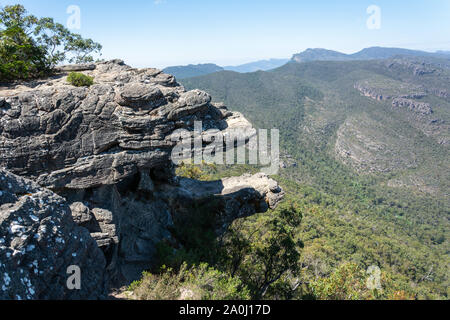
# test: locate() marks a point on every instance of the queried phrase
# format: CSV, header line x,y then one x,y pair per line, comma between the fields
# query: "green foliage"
x,y
349,216
78,79
31,47
262,253
20,56
195,283
195,229
349,282
345,283
254,257
81,49
197,172
334,234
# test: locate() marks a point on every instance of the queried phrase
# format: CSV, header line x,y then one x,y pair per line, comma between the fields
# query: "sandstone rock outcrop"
x,y
76,67
441,93
242,196
416,66
370,92
39,241
361,145
77,138
107,149
418,107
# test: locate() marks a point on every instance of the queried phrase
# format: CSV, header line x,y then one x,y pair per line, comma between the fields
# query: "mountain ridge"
x,y
370,136
260,65
194,70
310,54
371,53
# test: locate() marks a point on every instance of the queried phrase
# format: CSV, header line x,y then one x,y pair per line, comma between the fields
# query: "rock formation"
x,y
400,101
370,92
39,241
416,66
242,196
418,107
78,138
106,150
441,93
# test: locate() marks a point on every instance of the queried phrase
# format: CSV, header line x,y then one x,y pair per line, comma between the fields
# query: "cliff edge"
x,y
101,156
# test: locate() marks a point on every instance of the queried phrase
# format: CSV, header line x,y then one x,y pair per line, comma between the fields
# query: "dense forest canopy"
x,y
388,209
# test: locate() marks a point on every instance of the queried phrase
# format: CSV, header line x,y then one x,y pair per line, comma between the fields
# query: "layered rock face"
x,y
415,66
241,196
105,150
418,107
77,138
370,92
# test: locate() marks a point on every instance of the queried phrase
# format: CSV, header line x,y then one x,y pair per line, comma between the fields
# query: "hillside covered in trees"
x,y
359,209
371,173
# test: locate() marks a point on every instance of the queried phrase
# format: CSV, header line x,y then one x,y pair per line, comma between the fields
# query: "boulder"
x,y
141,95
39,241
242,196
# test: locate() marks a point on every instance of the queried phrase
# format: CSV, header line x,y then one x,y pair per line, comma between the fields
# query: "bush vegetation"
x,y
31,47
254,257
350,217
189,283
78,79
288,253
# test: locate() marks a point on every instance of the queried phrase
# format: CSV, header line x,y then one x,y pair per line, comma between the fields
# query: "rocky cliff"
x,y
39,241
418,107
99,159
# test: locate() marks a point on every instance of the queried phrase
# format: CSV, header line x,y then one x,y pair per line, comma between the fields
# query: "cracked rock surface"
x,y
104,193
39,241
67,137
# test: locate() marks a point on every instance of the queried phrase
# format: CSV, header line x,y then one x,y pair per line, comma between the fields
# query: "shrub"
x,y
201,172
345,283
80,80
196,283
349,282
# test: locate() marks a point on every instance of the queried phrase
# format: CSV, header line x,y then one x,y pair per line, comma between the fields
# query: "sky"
x,y
160,33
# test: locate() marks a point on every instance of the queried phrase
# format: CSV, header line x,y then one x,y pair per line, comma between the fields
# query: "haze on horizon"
x,y
160,33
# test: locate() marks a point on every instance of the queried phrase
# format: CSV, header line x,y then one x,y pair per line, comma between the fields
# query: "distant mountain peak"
x,y
191,70
261,65
371,53
313,54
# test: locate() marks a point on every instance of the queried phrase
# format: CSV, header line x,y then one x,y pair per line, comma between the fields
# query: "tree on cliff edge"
x,y
31,47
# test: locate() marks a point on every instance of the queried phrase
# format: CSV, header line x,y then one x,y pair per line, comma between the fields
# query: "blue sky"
x,y
160,33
